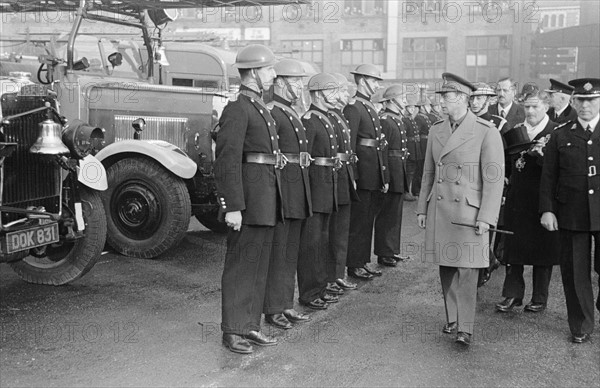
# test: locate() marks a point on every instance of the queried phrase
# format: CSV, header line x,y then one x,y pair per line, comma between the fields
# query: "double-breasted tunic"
x,y
413,138
395,133
346,190
246,125
462,182
295,186
321,143
570,186
364,123
531,243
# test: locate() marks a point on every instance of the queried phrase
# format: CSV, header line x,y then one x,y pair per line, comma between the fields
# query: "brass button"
x,y
439,198
440,180
456,200
591,191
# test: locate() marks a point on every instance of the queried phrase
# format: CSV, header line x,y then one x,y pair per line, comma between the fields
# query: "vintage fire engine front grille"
x,y
29,179
169,129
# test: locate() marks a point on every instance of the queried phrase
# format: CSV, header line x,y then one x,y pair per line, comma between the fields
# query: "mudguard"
x,y
91,172
170,156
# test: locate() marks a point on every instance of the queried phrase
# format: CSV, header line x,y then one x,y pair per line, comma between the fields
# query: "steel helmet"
x,y
368,70
322,81
290,68
483,89
254,56
424,101
341,79
392,91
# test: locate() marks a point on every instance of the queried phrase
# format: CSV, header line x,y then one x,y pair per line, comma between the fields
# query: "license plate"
x,y
31,238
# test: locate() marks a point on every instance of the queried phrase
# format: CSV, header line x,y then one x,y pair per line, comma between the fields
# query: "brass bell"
x,y
49,140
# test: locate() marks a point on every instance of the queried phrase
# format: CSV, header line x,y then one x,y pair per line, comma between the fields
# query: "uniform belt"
x,y
396,153
303,159
414,138
344,157
328,162
278,160
368,142
423,136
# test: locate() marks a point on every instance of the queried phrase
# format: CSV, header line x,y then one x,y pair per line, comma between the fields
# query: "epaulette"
x,y
563,125
438,122
485,122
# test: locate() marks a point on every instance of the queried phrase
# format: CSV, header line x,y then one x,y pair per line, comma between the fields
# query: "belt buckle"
x,y
280,160
337,163
592,171
305,159
353,158
382,143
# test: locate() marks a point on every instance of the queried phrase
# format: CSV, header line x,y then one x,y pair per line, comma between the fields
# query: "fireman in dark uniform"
x,y
415,155
314,239
561,110
570,203
295,190
247,172
424,122
371,174
388,225
339,227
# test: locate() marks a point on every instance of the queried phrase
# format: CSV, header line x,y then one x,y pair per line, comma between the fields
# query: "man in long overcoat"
x,y
462,182
531,244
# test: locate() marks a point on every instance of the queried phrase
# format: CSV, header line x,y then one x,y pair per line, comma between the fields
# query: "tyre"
x,y
61,263
210,220
148,208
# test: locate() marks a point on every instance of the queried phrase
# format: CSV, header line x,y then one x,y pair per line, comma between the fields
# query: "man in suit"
x,y
388,226
371,171
560,110
295,192
314,238
339,227
531,244
247,173
462,182
506,107
570,203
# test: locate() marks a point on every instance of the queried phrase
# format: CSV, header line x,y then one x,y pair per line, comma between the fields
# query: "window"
x,y
306,50
423,58
353,7
358,51
561,20
488,57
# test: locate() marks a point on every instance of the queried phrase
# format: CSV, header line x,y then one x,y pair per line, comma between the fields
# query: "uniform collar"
x,y
313,107
250,90
593,123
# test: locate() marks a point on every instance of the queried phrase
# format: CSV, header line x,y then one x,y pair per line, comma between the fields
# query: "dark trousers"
x,y
388,225
281,279
362,218
314,248
416,179
244,278
576,268
411,168
339,230
514,283
459,286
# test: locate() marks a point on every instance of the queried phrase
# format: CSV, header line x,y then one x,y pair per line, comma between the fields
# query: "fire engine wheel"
x,y
148,208
63,262
210,220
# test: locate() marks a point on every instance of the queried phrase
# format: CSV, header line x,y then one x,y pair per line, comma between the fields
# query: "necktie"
x,y
503,114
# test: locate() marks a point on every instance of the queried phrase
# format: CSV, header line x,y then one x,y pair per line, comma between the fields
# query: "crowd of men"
x,y
308,196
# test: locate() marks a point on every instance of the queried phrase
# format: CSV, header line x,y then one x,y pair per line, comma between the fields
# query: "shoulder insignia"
x,y
438,122
485,122
563,125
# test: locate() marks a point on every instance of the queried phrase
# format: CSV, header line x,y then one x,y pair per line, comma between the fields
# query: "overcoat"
x,y
570,186
566,115
531,243
246,125
462,182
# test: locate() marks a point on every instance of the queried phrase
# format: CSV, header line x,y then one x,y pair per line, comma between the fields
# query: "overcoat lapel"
x,y
463,133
